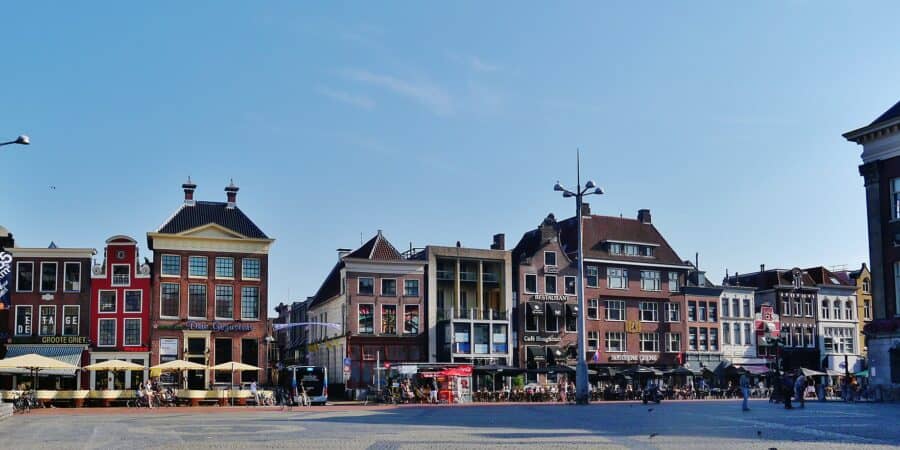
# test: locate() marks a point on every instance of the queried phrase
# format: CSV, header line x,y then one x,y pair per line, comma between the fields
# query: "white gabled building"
x,y
837,324
738,312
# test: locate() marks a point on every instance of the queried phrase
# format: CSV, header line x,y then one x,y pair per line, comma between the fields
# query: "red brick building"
x,y
631,275
376,295
50,311
210,289
120,313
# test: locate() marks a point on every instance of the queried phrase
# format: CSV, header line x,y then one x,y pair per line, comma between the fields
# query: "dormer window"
x,y
632,250
647,251
615,249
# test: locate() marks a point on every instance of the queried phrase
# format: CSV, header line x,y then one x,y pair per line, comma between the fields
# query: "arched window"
x,y
836,306
866,285
825,310
848,310
797,338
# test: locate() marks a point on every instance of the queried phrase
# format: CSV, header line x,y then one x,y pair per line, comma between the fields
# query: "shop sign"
x,y
5,279
407,369
168,347
767,321
632,326
634,358
218,326
550,297
533,338
79,340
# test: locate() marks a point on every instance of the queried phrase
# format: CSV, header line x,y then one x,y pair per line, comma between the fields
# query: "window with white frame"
x,y
551,318
808,336
171,265
867,309
808,307
225,302
197,301
592,309
615,341
747,312
786,335
673,342
836,308
549,284
107,302
713,312
569,283
735,307
106,333
224,267
250,269
649,342
531,317
366,285
737,334
632,250
615,310
48,276
250,303
530,283
865,285
366,318
649,311
713,340
897,283
797,312
169,299
24,276
71,320
411,288
23,320
616,249
692,338
650,280
591,276
72,277
388,319
848,310
748,337
692,312
593,340
388,287
550,258
617,278
726,311
133,300
701,311
703,335
47,316
132,332
826,309
673,282
198,266
673,312
121,274
726,333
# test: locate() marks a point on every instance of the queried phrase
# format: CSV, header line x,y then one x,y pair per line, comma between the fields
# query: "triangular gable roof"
x,y
598,229
190,217
892,113
378,249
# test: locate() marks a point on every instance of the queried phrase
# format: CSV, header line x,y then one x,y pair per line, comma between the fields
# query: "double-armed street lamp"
x,y
582,396
22,140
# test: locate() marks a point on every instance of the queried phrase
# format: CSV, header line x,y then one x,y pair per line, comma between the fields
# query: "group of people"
x,y
150,394
404,391
289,397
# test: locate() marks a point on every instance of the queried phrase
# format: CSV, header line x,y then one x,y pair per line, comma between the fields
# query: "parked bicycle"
x,y
24,402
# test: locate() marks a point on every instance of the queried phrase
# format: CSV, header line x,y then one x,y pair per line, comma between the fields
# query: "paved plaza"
x,y
671,425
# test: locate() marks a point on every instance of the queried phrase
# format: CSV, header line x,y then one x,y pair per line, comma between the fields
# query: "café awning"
x,y
555,309
536,308
115,365
754,369
535,353
67,354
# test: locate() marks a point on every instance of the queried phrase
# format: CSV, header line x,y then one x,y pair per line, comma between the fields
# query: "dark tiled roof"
x,y
824,276
204,213
598,229
892,113
330,287
770,278
378,248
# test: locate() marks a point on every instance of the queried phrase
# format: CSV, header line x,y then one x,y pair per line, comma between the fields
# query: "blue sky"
x,y
439,123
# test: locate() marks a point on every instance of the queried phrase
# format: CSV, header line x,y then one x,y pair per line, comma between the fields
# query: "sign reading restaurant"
x,y
550,298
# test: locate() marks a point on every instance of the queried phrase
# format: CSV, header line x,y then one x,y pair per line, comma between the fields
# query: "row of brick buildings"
x,y
202,298
644,305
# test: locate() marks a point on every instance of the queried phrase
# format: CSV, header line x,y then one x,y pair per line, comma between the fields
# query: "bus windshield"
x,y
313,379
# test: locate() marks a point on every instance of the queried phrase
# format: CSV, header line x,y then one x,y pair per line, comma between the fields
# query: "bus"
x,y
314,379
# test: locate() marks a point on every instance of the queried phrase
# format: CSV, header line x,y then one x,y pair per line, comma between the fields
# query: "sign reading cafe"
x,y
218,326
5,279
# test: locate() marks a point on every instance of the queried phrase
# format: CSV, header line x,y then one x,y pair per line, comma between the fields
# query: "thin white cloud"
x,y
425,93
359,101
474,63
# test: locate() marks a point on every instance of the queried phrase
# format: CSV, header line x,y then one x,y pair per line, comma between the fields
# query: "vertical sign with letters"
x,y
6,269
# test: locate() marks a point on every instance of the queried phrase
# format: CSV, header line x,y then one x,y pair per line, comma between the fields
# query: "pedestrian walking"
x,y
433,394
787,387
254,393
800,388
745,391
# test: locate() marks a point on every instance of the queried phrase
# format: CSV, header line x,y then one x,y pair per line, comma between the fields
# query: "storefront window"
x,y
499,339
461,338
23,320
388,319
411,319
223,355
71,319
366,319
250,355
48,321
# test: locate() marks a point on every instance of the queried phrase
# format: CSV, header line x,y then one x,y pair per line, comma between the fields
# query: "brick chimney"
x,y
499,242
644,216
189,188
231,192
342,252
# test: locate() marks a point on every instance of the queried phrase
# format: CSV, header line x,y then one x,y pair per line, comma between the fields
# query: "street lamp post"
x,y
22,140
582,396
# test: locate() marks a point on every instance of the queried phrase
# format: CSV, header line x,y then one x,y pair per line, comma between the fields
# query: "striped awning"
x,y
70,354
